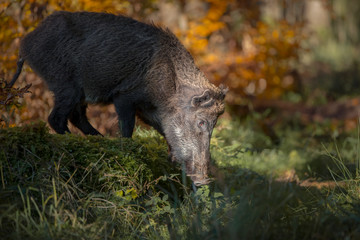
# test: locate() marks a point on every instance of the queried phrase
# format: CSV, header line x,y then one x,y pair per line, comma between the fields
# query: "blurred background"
x,y
286,62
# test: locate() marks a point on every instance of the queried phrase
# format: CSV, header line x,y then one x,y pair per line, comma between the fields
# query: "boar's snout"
x,y
199,179
196,168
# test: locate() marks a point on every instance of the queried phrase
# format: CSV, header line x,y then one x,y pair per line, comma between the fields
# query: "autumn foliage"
x,y
228,40
9,98
260,68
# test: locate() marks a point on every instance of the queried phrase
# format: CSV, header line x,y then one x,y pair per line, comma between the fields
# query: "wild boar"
x,y
142,69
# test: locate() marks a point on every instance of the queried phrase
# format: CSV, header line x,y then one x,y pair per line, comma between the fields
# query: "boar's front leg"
x,y
126,115
79,119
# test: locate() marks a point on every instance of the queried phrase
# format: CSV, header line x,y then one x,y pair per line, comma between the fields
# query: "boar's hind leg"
x,y
126,115
79,119
65,101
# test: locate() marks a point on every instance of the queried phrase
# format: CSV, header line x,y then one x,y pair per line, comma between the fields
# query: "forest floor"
x,y
303,184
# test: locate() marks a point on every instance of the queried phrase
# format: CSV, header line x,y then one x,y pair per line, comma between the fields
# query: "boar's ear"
x,y
224,89
203,100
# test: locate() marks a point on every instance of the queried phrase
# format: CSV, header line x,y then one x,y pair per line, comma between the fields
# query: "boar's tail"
x,y
20,64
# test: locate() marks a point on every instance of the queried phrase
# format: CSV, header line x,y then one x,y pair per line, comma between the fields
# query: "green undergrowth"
x,y
77,187
51,184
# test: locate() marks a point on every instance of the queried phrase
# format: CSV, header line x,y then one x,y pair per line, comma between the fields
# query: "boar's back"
x,y
99,52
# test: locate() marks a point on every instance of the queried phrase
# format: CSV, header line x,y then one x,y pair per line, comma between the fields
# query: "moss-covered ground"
x,y
305,186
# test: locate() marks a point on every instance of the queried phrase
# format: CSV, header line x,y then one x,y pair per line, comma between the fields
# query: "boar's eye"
x,y
202,125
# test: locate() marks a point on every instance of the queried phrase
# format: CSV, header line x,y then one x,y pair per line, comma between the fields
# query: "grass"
x,y
75,187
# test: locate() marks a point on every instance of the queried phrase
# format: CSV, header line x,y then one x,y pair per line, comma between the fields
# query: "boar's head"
x,y
189,128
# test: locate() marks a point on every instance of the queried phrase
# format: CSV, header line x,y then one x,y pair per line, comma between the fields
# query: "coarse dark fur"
x,y
143,69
